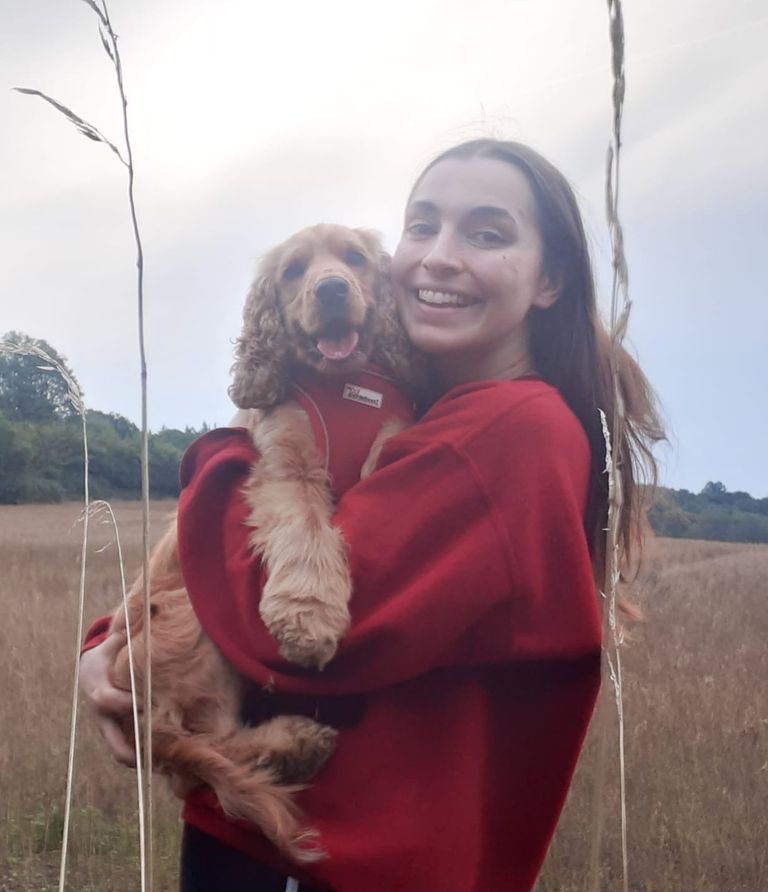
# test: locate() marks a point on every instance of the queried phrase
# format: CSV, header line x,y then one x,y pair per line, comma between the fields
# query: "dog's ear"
x,y
392,345
260,372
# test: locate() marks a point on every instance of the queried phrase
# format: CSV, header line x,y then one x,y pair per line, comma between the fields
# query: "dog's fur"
x,y
197,735
304,602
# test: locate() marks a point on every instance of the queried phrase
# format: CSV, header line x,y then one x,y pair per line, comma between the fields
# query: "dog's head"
x,y
320,300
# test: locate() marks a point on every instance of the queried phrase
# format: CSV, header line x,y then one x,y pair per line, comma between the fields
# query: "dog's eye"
x,y
294,270
354,258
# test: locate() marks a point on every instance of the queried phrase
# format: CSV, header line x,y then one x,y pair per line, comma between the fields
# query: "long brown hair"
x,y
572,351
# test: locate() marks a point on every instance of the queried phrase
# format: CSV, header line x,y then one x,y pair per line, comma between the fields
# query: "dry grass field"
x,y
39,582
696,720
696,723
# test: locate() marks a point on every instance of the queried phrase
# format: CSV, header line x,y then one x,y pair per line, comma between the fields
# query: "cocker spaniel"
x,y
321,302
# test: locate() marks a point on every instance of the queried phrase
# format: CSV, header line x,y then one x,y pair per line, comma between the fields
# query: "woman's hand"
x,y
109,704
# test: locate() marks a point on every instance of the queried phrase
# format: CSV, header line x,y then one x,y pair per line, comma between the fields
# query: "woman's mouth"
x,y
445,299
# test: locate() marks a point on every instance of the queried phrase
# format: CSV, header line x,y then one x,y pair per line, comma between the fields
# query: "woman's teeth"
x,y
443,299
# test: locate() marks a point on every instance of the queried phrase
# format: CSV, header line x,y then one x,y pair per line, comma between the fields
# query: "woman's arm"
x,y
466,546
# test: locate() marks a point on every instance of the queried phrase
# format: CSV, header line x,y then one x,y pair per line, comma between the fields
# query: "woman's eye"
x,y
354,258
294,270
488,238
420,230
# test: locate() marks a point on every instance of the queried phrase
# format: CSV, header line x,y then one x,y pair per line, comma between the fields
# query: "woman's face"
x,y
469,268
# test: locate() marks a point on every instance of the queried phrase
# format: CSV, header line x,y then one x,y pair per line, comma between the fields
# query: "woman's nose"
x,y
442,257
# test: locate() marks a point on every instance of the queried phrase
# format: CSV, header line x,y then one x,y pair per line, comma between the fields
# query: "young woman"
x,y
465,685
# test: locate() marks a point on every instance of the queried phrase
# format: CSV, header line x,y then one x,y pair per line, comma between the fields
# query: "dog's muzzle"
x,y
338,340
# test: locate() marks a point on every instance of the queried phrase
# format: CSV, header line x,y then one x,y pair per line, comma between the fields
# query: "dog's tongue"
x,y
338,348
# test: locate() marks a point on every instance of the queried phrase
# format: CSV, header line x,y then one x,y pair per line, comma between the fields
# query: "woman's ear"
x,y
548,291
260,371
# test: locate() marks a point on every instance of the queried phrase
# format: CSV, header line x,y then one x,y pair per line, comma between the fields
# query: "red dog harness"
x,y
347,412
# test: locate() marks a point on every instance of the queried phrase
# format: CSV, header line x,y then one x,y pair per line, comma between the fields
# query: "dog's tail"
x,y
247,793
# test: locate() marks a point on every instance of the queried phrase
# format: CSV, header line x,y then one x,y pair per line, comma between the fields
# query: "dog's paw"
x,y
299,747
307,650
308,631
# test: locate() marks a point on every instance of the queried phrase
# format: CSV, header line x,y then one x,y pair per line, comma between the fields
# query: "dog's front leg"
x,y
388,429
304,603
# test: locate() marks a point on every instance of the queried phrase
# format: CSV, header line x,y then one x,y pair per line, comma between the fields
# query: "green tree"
x,y
176,438
667,517
15,451
27,391
715,491
125,429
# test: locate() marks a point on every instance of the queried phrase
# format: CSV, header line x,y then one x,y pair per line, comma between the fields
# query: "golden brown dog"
x,y
320,301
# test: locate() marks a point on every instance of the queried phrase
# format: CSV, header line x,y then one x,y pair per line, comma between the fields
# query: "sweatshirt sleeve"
x,y
463,550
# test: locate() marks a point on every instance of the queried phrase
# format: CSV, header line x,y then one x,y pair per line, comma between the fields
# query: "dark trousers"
x,y
208,865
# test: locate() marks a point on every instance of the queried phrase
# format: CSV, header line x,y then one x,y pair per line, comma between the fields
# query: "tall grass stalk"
x,y
97,507
109,42
612,636
114,55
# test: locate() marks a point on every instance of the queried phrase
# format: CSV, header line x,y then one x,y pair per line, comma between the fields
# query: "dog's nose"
x,y
332,293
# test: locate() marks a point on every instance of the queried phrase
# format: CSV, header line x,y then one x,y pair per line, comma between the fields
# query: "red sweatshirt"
x,y
465,685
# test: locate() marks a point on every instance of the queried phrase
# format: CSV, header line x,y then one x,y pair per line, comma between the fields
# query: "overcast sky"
x,y
252,120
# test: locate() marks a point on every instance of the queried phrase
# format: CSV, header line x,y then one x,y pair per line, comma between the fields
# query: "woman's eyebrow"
x,y
429,208
490,211
422,207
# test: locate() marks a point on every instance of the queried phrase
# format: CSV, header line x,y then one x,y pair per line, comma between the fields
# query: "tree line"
x,y
41,440
41,456
714,513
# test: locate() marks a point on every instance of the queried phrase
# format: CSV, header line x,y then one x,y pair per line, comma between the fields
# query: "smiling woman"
x,y
470,267
496,282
